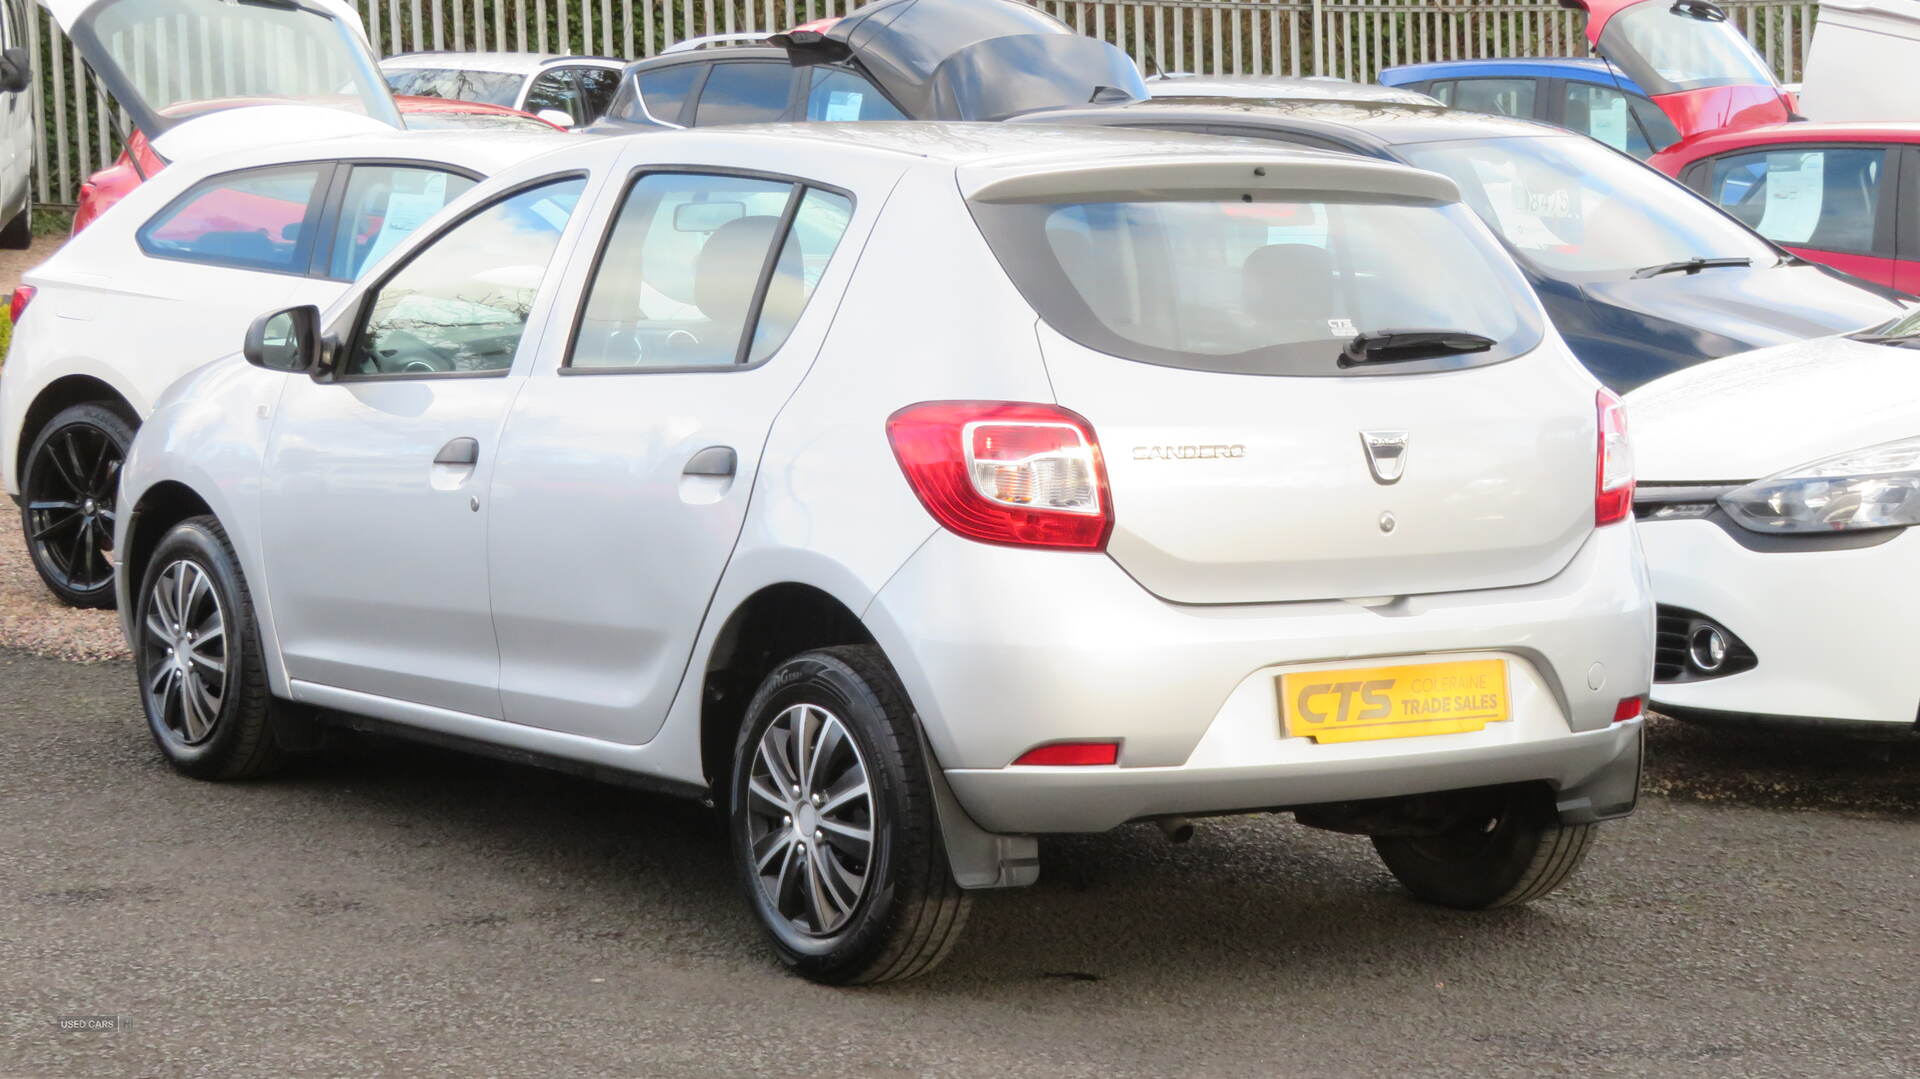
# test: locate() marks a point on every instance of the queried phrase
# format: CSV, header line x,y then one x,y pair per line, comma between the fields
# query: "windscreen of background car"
x,y
162,55
1572,206
1666,51
1268,287
490,87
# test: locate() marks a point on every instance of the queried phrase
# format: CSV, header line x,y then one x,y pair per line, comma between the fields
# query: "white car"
x,y
567,91
19,141
916,489
163,281
1778,496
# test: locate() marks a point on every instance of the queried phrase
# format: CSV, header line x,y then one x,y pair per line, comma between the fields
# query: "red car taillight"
x,y
1613,483
1026,475
16,307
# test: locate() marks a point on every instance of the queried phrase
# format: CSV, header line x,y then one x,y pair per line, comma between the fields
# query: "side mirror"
x,y
556,118
15,75
286,340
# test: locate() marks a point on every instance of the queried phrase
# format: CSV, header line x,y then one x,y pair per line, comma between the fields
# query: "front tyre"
x,y
203,684
70,481
833,823
1505,846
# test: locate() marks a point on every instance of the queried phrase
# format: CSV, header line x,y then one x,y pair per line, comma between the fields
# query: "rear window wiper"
x,y
1404,346
1693,265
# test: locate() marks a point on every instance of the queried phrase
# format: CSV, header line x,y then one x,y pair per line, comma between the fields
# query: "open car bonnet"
x,y
970,59
200,76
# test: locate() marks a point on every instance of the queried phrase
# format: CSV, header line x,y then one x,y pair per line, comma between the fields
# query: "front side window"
x,y
1826,199
1569,206
597,85
836,95
693,261
254,220
487,87
1275,286
383,205
1502,97
554,90
460,304
744,93
1601,112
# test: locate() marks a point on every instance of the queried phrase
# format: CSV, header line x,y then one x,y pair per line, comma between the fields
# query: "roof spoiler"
x,y
1163,176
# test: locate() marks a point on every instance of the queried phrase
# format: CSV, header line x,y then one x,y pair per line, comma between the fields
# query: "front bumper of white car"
x,y
1003,649
1818,629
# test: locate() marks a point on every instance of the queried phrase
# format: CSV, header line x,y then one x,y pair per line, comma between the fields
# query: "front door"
x,y
627,464
375,502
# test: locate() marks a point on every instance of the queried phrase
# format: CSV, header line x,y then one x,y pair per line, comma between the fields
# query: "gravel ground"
x,y
32,620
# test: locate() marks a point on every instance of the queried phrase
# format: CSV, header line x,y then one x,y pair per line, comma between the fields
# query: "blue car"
x,y
1588,96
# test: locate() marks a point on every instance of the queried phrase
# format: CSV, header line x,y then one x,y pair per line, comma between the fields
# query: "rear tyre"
x,y
197,651
833,824
1507,846
71,479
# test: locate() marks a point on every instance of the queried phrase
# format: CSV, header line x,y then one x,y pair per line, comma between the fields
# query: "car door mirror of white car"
x,y
286,340
556,118
15,74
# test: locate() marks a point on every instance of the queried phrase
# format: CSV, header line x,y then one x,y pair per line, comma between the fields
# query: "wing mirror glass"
x,y
15,74
286,340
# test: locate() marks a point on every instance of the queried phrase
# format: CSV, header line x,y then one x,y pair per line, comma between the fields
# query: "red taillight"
x,y
1628,708
1613,481
22,296
1026,475
1072,754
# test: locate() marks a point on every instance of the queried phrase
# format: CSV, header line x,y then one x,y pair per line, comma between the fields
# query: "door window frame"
x,y
1886,217
336,195
743,347
339,348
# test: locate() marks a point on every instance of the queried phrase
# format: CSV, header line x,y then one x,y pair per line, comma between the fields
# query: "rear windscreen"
x,y
1263,287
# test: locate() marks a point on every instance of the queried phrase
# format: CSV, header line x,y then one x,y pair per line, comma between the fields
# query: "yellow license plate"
x,y
1365,703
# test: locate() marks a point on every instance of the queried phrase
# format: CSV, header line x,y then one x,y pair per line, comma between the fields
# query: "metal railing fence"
x,y
1354,39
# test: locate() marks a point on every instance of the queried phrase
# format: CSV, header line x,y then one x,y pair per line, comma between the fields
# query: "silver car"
x,y
912,491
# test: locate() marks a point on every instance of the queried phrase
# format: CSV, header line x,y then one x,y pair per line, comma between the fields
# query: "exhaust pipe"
x,y
1176,829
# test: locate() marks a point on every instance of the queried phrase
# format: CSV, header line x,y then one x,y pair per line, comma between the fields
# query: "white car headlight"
x,y
1874,487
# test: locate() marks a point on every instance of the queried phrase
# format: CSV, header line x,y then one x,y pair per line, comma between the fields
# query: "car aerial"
x,y
1172,513
1585,95
566,91
1280,88
161,285
137,161
892,60
1780,562
19,141
1828,192
1640,275
1689,60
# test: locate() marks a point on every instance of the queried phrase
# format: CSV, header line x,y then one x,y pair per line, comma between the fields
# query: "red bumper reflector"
x,y
1072,753
1628,708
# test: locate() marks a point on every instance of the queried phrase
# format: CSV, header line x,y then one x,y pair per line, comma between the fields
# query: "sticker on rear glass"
x,y
1342,327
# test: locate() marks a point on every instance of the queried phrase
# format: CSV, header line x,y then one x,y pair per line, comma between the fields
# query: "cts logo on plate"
x,y
1367,703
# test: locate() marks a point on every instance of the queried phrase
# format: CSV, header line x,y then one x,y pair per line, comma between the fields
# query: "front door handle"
x,y
460,451
712,461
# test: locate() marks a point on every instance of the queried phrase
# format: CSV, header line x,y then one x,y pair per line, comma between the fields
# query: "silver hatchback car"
x,y
912,491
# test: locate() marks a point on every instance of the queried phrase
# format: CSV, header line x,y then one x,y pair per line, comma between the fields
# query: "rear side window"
x,y
836,95
659,94
253,220
383,205
743,93
555,90
694,260
492,87
1268,287
1825,199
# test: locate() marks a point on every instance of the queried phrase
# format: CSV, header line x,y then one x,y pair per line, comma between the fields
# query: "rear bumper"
x,y
1004,649
1831,630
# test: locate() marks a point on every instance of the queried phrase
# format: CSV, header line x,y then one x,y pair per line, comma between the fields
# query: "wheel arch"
x,y
160,507
58,396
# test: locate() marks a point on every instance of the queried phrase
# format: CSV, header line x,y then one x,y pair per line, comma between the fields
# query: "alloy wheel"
x,y
183,640
811,820
70,510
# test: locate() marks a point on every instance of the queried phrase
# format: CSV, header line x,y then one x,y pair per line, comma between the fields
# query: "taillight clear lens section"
x,y
22,296
1026,475
1613,486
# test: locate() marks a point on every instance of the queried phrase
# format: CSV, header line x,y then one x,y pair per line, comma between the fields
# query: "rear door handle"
x,y
712,461
460,451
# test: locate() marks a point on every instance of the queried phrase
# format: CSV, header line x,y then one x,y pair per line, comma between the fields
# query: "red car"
x,y
1829,193
1691,61
111,184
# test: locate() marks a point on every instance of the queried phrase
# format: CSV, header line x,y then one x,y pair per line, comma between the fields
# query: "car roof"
x,y
1381,123
710,53
1589,68
1279,88
483,152
506,63
1796,132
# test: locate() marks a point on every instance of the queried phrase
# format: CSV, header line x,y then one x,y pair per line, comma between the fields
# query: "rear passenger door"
x,y
1833,204
628,459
